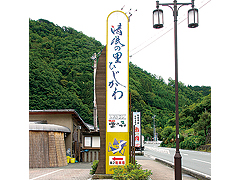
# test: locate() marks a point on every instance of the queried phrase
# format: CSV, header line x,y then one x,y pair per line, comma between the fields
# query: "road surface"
x,y
194,160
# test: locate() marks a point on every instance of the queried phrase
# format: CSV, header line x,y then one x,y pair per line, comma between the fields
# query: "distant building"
x,y
67,129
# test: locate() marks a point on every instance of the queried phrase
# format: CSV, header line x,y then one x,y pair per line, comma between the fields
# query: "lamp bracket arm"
x,y
183,4
172,4
171,8
169,5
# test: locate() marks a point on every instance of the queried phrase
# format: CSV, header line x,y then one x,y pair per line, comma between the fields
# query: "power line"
x,y
163,33
151,42
151,37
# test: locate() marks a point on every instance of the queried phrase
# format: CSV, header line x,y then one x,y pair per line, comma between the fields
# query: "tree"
x,y
204,123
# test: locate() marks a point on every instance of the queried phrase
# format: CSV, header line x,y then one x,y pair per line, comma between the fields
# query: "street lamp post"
x,y
154,129
192,23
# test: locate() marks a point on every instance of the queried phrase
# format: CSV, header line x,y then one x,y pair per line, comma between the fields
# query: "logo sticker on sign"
x,y
117,160
117,122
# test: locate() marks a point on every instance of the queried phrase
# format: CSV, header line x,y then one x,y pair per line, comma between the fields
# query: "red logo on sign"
x,y
136,138
117,158
136,129
117,161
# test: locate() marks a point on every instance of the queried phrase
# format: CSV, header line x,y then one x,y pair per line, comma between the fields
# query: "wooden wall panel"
x,y
46,149
101,109
52,150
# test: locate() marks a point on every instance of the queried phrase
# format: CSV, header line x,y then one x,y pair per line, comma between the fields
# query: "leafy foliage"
x,y
60,68
192,142
205,90
130,172
94,167
194,123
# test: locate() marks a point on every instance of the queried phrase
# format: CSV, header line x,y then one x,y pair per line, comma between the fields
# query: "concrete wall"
x,y
90,156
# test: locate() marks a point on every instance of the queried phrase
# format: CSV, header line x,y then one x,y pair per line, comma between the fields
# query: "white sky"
x,y
208,55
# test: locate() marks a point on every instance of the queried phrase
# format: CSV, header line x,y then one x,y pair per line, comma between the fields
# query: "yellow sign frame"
x,y
120,138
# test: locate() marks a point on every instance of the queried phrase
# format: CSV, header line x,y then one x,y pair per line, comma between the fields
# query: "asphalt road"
x,y
194,160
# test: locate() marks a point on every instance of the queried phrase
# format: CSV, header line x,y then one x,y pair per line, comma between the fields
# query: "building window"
x,y
96,141
87,141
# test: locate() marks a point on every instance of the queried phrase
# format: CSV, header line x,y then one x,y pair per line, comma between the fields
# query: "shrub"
x,y
119,172
170,141
130,172
192,142
94,167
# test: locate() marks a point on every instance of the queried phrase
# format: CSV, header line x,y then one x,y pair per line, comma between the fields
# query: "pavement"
x,y
80,171
77,171
159,170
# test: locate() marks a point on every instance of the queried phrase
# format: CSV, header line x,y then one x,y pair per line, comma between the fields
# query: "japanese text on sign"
x,y
117,47
137,124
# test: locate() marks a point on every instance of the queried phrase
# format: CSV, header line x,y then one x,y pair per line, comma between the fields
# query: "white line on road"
x,y
201,161
185,154
158,150
46,174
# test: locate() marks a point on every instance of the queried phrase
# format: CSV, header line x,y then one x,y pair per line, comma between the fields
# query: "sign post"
x,y
137,124
117,91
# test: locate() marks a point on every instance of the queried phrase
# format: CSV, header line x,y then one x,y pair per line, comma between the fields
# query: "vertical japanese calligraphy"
x,y
117,90
117,64
137,124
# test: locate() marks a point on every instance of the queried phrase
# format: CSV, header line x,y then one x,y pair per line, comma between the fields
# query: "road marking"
x,y
201,161
46,174
159,150
185,154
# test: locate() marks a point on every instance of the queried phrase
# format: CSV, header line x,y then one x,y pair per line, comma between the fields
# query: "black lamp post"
x,y
192,23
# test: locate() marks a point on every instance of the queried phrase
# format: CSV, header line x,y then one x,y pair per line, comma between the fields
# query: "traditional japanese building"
x,y
68,130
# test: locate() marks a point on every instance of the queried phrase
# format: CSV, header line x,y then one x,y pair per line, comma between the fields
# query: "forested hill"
x,y
60,68
61,77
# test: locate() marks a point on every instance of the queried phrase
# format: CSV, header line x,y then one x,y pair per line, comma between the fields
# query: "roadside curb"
x,y
185,170
102,176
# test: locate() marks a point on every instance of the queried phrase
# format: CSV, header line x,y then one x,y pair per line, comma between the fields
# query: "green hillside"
x,y
61,77
60,68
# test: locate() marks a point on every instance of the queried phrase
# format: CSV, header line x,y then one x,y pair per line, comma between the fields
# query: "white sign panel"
x,y
117,66
137,123
117,160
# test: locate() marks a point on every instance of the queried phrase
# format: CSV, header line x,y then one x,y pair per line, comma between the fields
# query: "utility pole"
x,y
154,130
94,58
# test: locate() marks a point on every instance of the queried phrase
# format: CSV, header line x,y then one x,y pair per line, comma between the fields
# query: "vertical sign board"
x,y
117,95
137,123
